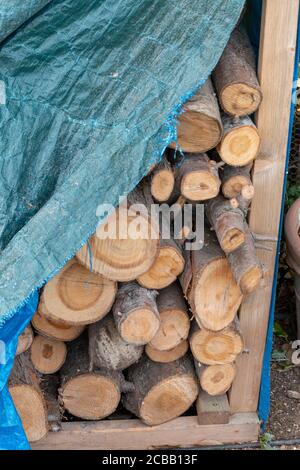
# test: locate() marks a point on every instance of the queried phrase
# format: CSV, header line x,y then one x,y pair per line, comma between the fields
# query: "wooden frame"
x,y
276,64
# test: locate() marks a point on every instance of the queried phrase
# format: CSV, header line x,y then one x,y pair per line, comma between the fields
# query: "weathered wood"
x,y
235,77
209,285
76,296
132,434
162,181
107,349
126,245
278,38
240,141
198,177
234,178
216,379
216,347
175,322
199,126
47,355
54,329
161,391
212,410
49,387
245,265
167,356
227,221
135,313
86,392
25,390
25,340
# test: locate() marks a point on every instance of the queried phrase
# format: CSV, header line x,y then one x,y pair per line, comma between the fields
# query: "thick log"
x,y
25,390
209,285
234,178
227,221
126,245
25,340
235,77
212,410
167,356
240,142
245,265
47,355
107,349
199,126
135,313
216,347
162,181
49,386
76,296
54,329
174,319
198,178
217,379
161,391
86,392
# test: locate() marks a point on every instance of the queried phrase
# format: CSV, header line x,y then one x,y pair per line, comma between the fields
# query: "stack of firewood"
x,y
162,320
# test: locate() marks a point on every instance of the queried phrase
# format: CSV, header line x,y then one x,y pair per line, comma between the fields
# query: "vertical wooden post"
x,y
276,63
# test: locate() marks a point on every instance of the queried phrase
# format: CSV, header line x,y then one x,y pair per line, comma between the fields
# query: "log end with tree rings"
x,y
125,254
47,355
240,99
216,347
167,356
168,265
52,329
162,181
25,340
199,185
90,396
216,379
217,296
77,296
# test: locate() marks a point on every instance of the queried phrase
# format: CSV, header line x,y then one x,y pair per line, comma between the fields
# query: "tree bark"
x,y
107,349
199,126
161,391
235,77
135,313
49,387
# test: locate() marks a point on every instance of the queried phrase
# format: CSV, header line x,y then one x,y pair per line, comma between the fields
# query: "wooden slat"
x,y
276,63
133,434
212,410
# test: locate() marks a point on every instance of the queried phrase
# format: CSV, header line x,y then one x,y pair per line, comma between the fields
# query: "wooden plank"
x,y
212,410
133,434
276,63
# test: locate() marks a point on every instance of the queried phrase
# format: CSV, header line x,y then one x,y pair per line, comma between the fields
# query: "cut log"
x,y
234,178
24,387
25,340
162,181
161,391
49,387
216,347
243,199
107,349
228,223
217,379
235,77
51,329
168,265
76,296
209,286
174,319
245,265
167,356
212,410
47,355
135,313
85,392
127,244
199,126
198,178
240,142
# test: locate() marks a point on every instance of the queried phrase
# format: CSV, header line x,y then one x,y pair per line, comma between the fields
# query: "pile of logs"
x,y
147,322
